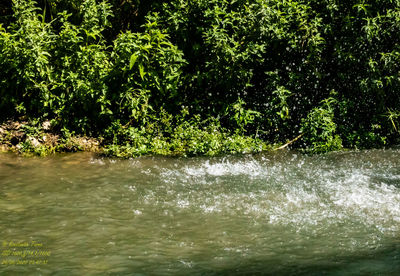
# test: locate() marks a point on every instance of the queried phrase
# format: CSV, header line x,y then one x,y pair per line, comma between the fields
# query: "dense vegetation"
x,y
205,76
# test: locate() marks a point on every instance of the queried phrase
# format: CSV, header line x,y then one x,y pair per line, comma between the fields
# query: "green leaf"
x,y
141,71
132,61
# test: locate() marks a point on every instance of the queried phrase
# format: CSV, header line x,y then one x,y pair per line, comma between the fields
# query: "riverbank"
x,y
34,138
41,138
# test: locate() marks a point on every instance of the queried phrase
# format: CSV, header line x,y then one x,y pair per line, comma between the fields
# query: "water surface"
x,y
269,214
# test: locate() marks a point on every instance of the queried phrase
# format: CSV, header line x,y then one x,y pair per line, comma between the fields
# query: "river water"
x,y
280,213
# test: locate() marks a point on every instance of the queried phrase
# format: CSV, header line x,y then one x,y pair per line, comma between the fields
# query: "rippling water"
x,y
269,214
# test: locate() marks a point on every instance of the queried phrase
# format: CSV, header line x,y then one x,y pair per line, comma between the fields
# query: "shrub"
x,y
319,128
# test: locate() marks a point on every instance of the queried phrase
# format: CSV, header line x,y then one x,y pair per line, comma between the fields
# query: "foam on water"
x,y
302,192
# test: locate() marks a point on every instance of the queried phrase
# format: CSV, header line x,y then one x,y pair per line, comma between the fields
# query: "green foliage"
x,y
146,72
319,128
393,117
56,74
240,115
178,135
131,70
82,65
25,60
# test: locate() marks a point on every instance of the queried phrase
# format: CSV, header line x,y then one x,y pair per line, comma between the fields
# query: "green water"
x,y
269,214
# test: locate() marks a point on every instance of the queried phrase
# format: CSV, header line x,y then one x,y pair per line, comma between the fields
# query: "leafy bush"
x,y
319,128
246,70
79,91
146,72
25,48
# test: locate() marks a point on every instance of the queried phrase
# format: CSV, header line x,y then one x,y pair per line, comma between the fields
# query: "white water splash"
x,y
299,193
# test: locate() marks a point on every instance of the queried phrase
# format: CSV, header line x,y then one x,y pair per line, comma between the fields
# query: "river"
x,y
279,213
